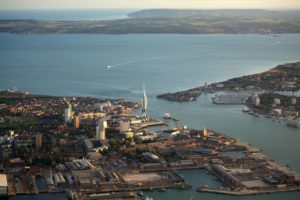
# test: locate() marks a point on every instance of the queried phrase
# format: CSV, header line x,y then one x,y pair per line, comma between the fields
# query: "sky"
x,y
196,4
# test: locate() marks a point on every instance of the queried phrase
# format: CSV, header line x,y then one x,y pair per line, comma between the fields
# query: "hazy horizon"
x,y
153,4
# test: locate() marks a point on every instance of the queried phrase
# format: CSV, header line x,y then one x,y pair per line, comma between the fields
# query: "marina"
x,y
231,98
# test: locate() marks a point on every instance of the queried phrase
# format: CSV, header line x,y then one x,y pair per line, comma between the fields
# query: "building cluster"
x,y
273,105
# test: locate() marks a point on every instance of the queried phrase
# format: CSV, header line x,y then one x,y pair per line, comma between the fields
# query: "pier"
x,y
148,124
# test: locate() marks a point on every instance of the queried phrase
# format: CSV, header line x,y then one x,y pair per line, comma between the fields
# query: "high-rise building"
x,y
6,153
3,185
293,101
76,121
255,99
68,113
100,130
38,141
205,133
124,126
144,102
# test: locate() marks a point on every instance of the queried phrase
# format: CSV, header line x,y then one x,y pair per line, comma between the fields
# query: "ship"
x,y
167,116
293,123
246,109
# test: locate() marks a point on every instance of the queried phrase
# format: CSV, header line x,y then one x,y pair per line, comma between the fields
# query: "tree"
x,y
28,160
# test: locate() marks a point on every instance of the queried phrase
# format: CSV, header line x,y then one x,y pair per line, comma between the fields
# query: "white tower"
x,y
144,102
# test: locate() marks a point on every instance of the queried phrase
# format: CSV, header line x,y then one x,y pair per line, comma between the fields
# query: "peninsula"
x,y
284,77
262,94
182,21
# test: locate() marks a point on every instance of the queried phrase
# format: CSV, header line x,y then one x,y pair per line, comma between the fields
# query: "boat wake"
x,y
136,61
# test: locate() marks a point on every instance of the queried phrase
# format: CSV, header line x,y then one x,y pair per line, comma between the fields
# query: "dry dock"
x,y
111,196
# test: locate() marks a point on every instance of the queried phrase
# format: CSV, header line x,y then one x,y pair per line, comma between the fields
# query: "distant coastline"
x,y
162,21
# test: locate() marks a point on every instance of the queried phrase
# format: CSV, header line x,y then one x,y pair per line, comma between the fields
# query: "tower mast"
x,y
144,102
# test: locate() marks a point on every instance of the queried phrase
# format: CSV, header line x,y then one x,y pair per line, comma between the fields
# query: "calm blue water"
x,y
68,15
76,65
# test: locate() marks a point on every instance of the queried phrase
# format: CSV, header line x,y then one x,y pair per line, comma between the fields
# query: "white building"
x,y
100,130
255,99
124,126
107,104
135,121
276,101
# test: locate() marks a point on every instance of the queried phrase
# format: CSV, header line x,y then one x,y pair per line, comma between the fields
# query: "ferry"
x,y
246,109
108,67
167,116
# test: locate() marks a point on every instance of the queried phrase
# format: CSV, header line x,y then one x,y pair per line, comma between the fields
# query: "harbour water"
x,y
77,65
